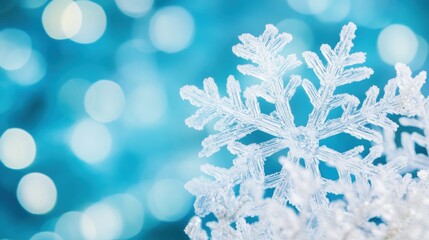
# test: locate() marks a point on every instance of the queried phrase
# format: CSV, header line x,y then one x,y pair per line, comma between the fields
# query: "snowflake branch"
x,y
334,74
399,92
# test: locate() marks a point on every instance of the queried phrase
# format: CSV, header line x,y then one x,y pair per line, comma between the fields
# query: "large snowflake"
x,y
298,207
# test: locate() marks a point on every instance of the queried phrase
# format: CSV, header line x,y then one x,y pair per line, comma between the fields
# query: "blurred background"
x,y
93,142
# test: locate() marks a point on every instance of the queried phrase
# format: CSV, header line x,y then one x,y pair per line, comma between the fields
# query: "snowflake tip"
x,y
410,94
194,229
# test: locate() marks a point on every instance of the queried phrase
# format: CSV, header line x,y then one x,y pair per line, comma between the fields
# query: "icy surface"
x,y
376,201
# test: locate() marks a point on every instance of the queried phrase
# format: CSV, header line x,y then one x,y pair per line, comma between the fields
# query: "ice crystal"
x,y
416,160
375,201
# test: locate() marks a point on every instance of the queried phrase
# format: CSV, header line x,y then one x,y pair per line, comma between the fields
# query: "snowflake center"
x,y
304,142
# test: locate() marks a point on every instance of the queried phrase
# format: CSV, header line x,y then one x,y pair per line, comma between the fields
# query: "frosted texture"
x,y
374,201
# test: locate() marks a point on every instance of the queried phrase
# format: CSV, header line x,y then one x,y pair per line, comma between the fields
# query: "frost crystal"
x,y
374,201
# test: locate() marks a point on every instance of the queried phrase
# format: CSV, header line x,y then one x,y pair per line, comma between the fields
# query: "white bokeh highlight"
x,y
82,21
134,8
32,4
102,222
421,55
15,48
337,11
62,19
163,206
309,6
104,101
37,193
303,37
71,20
90,141
130,211
17,148
171,29
93,23
46,236
147,105
371,17
31,72
68,226
397,43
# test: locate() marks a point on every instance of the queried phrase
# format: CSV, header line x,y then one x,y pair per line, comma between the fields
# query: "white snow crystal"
x,y
375,201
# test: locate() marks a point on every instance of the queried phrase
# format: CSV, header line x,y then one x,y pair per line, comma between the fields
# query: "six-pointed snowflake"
x,y
298,207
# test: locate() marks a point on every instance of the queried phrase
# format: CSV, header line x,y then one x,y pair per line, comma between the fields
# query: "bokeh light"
x,y
133,50
309,6
31,72
134,8
17,148
62,19
373,14
171,29
130,211
138,71
397,43
46,236
81,21
324,10
37,193
93,22
103,222
302,35
146,105
165,207
68,226
71,20
337,11
104,101
421,54
15,48
32,3
90,141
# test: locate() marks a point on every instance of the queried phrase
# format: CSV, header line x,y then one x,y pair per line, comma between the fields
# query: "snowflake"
x,y
299,207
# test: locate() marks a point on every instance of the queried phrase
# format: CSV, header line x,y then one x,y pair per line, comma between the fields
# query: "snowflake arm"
x,y
246,118
416,160
333,74
263,51
398,93
194,229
